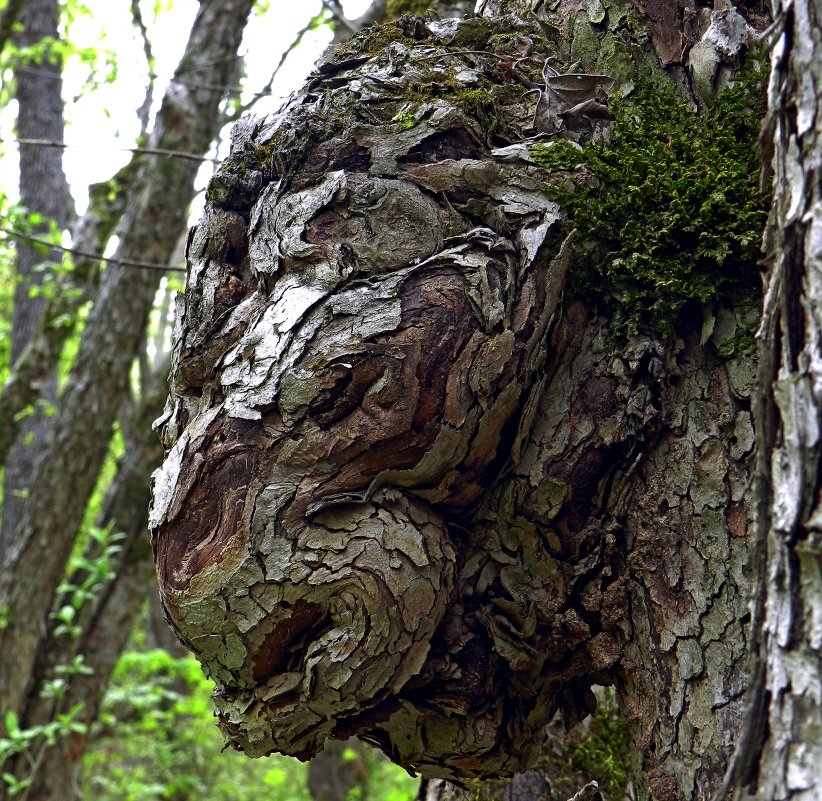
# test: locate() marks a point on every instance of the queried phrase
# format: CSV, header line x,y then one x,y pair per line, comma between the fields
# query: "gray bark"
x,y
106,621
188,120
781,753
410,494
43,189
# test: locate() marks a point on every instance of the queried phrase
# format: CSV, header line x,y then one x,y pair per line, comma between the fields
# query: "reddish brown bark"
x,y
412,494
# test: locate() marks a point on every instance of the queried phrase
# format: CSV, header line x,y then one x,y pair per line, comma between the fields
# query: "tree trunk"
x,y
108,201
413,492
782,750
44,190
106,621
330,776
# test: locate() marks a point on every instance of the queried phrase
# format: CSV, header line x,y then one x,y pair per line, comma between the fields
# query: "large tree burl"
x,y
357,529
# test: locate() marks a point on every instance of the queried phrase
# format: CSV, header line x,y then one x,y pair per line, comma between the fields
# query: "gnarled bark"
x,y
410,493
330,427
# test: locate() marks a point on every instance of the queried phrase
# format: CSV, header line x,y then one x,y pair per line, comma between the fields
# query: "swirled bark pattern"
x,y
370,520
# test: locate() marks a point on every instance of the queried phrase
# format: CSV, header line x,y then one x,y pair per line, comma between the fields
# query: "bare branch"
x,y
142,265
266,90
340,17
148,151
145,107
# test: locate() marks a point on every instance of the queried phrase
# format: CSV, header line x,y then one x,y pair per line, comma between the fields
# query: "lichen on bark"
x,y
361,344
410,493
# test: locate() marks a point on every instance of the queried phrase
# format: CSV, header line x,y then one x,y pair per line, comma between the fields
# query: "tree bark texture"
x,y
44,190
410,492
188,120
783,746
106,621
108,201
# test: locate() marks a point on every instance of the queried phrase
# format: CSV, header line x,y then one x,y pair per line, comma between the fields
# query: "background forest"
x,y
95,98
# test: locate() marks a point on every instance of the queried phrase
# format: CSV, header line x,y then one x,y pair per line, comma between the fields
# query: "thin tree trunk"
x,y
330,777
106,621
781,754
91,233
43,190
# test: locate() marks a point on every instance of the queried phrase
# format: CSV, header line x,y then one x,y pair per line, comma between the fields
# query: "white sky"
x,y
103,119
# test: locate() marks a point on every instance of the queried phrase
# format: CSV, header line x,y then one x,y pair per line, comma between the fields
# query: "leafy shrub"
x,y
157,741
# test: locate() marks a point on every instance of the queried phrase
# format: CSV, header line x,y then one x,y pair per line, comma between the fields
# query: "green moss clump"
x,y
604,753
674,212
374,39
405,119
475,102
396,8
484,103
597,750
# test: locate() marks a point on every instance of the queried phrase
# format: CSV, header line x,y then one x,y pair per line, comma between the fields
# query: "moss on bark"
x,y
396,8
669,210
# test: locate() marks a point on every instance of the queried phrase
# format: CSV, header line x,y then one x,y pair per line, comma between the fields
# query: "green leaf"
x,y
12,723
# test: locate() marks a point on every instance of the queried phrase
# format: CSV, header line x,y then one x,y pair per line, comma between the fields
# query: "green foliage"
x,y
63,674
53,276
405,119
91,566
380,779
89,573
603,753
669,210
163,6
157,739
97,61
32,741
100,63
